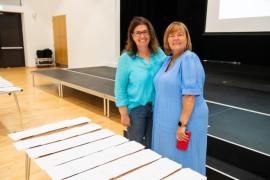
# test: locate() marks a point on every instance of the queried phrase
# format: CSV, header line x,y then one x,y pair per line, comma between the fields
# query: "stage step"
x,y
237,161
216,169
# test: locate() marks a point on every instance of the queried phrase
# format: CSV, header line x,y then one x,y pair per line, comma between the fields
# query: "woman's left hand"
x,y
181,134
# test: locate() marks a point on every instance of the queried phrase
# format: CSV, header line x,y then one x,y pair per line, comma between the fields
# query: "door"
x,y
60,40
11,40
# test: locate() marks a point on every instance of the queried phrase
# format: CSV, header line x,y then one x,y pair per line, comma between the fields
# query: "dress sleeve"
x,y
121,82
189,72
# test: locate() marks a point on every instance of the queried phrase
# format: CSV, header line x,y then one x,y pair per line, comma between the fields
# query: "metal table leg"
x,y
18,108
27,166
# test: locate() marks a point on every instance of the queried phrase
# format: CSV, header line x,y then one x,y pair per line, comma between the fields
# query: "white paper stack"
x,y
9,89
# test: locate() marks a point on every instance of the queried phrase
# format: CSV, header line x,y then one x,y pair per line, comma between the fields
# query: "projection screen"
x,y
238,16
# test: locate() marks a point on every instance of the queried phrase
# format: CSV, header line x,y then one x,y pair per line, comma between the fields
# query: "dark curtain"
x,y
247,48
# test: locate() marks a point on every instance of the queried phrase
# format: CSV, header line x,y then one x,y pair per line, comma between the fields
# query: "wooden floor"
x,y
40,105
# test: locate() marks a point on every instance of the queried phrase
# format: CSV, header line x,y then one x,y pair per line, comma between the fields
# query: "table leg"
x,y
27,166
18,107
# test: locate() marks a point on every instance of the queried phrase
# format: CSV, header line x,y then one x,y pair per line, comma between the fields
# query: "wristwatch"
x,y
181,125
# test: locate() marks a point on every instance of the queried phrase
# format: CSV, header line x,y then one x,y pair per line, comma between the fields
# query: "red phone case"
x,y
183,145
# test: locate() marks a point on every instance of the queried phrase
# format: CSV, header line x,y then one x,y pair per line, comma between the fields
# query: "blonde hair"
x,y
131,47
173,27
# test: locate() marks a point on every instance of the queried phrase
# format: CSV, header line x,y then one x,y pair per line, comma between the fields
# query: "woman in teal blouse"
x,y
136,69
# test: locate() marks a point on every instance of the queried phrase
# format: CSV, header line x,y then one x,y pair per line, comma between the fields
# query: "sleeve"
x,y
121,82
189,70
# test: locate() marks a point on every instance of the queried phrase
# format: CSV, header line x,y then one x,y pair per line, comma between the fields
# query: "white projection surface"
x,y
238,16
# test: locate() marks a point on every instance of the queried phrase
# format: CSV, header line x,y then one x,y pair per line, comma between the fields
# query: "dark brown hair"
x,y
131,47
173,27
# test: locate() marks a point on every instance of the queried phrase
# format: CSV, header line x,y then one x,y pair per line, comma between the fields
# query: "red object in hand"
x,y
183,145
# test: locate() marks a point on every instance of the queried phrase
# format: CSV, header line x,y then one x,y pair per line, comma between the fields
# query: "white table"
x,y
78,149
6,87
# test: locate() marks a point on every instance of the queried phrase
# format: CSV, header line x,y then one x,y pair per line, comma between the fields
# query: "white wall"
x,y
93,29
37,28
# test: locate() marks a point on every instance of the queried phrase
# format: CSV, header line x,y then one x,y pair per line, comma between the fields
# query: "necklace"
x,y
170,64
172,61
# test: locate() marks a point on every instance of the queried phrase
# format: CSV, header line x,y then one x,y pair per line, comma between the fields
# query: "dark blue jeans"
x,y
141,125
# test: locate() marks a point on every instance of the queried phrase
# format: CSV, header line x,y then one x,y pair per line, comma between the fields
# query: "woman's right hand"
x,y
125,120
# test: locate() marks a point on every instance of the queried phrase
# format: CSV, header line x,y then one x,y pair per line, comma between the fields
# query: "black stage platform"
x,y
239,119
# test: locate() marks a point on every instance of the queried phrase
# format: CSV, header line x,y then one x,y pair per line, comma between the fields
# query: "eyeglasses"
x,y
139,33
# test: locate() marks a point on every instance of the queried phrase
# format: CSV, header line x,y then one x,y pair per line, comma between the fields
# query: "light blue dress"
x,y
185,77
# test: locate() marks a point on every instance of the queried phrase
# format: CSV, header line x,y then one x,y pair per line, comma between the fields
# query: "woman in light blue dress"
x,y
179,98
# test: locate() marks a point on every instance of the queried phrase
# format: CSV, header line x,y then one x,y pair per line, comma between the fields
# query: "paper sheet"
x,y
120,166
78,152
47,128
26,144
94,160
68,143
154,171
186,173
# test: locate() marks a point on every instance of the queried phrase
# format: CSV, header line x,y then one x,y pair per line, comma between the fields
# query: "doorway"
x,y
11,40
60,40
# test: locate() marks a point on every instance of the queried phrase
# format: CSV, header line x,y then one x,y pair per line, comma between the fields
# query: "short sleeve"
x,y
189,74
121,81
